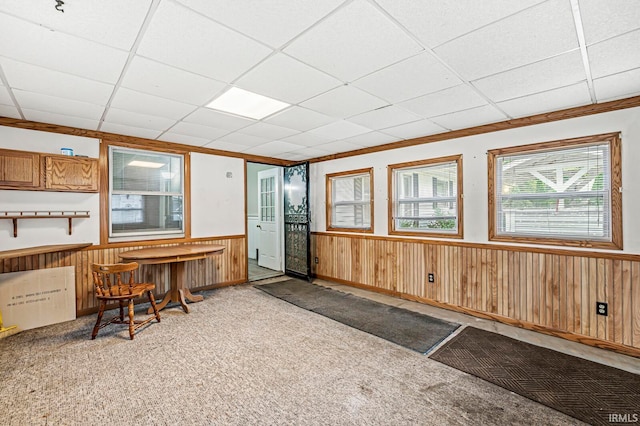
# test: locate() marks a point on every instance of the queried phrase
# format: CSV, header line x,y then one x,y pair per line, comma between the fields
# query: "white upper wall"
x,y
474,163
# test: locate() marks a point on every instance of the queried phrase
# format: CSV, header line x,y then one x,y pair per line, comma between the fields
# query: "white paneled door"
x,y
269,219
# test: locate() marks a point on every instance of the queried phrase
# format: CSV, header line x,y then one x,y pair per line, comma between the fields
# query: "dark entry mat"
x,y
591,392
406,328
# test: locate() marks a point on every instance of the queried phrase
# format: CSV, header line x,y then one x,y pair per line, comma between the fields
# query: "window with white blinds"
x,y
426,197
562,191
146,194
349,201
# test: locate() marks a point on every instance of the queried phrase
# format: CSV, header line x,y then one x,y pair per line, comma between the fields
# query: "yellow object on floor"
x,y
6,332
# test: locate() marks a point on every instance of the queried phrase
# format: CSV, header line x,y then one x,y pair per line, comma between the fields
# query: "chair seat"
x,y
135,290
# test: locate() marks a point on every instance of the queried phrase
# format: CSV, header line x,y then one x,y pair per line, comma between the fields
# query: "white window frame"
x,y
332,203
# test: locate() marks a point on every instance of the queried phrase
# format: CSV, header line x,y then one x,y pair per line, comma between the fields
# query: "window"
x,y
146,194
426,197
349,201
563,192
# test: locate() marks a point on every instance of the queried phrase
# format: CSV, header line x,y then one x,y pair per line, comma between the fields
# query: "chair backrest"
x,y
111,279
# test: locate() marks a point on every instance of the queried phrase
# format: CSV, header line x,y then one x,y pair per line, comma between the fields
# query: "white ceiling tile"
x,y
353,42
143,103
60,52
269,131
198,131
299,118
286,79
339,146
122,129
602,19
9,111
339,130
242,139
371,139
5,99
307,139
345,101
273,148
388,116
134,119
115,23
553,100
226,146
445,101
435,21
415,129
183,139
619,85
165,81
274,21
537,33
291,156
209,117
615,55
32,78
416,76
559,71
307,152
59,119
470,118
55,105
180,37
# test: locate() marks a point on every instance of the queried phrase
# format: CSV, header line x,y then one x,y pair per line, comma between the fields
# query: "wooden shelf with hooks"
x,y
69,215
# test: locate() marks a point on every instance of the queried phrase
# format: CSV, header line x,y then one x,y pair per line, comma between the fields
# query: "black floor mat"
x,y
406,328
591,392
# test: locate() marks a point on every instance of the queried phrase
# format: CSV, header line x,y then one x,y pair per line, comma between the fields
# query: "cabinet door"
x,y
64,173
19,169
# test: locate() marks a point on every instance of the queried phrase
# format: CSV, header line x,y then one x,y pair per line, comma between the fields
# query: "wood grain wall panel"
x,y
550,291
225,269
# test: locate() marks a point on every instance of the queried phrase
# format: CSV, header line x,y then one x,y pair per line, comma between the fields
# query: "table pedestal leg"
x,y
178,293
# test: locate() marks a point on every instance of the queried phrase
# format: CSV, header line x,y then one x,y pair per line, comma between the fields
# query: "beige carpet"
x,y
241,357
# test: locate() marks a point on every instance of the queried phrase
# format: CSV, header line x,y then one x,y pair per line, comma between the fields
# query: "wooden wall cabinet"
x,y
47,172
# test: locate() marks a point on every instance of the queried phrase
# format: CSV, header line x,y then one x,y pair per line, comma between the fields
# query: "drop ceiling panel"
x,y
357,40
5,99
445,101
274,22
340,146
226,146
184,139
307,139
269,131
134,119
242,139
339,130
36,79
615,55
299,118
414,130
371,139
122,129
617,85
273,148
131,100
60,52
559,71
435,21
286,79
55,105
209,117
180,37
115,23
602,19
306,153
162,80
381,118
9,111
60,119
413,77
345,101
470,118
534,34
565,97
196,130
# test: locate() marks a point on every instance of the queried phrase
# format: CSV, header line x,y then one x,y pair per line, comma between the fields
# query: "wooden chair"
x,y
111,287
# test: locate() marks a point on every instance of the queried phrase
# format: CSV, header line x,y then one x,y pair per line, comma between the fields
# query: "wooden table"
x,y
176,256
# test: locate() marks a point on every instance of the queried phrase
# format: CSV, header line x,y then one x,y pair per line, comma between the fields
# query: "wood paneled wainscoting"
x,y
216,271
553,291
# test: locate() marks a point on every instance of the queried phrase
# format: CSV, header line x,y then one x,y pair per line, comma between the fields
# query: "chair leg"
x,y
153,305
121,304
103,304
131,323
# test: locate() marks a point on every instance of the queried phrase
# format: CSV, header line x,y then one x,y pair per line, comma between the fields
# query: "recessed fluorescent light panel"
x,y
148,164
247,104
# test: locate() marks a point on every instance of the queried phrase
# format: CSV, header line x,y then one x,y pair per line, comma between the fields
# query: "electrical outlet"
x,y
431,277
316,260
602,308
